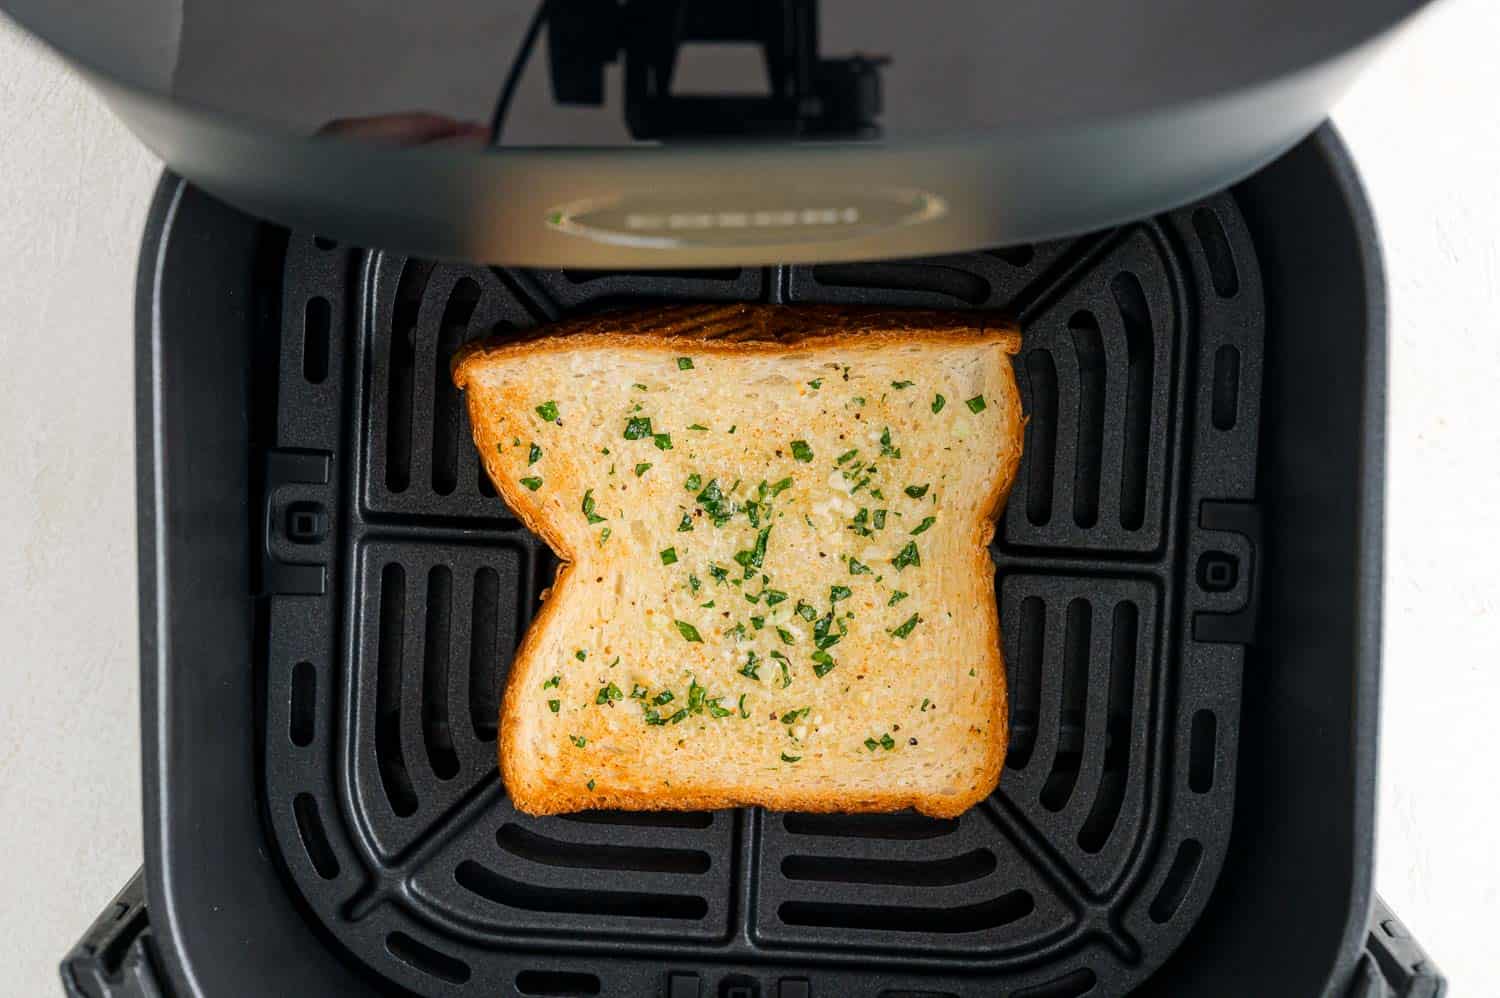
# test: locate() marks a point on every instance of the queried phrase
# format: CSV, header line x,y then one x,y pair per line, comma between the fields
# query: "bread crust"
x,y
738,330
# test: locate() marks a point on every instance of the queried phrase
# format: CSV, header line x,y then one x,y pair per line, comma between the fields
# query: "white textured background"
x,y
73,194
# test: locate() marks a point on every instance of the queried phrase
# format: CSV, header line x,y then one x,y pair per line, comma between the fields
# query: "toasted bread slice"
x,y
775,586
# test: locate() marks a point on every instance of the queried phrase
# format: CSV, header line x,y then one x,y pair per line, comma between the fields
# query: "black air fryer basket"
x,y
1189,582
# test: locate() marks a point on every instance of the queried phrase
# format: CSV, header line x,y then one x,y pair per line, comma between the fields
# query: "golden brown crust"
x,y
741,329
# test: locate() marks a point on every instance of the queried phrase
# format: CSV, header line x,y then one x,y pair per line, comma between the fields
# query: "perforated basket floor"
x,y
397,586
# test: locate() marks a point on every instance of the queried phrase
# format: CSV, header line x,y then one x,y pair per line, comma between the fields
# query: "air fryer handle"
x,y
1394,964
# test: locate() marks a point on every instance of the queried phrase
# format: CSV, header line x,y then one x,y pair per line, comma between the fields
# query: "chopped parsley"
x,y
785,665
533,456
786,636
548,411
837,593
879,518
898,385
637,427
554,705
758,622
719,573
925,704
685,524
693,582
887,742
590,784
897,597
751,668
801,451
806,611
665,696
638,692
937,404
755,557
823,663
581,655
669,556
717,709
906,556
917,491
642,468
693,482
688,631
906,628
552,683
639,387
886,450
608,694
790,758
847,455
714,503
532,483
791,717
927,521
743,711
588,507
780,487
871,744
684,363
856,567
774,596
578,740
663,441
975,404
815,384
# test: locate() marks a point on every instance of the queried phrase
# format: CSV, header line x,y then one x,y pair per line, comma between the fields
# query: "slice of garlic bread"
x,y
776,587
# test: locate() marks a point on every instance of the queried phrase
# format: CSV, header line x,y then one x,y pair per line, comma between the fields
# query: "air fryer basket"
x,y
1188,576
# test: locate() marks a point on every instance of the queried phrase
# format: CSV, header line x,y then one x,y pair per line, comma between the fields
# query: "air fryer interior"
x,y
327,583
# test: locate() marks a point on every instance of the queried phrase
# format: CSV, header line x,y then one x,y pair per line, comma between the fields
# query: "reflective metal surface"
x,y
536,133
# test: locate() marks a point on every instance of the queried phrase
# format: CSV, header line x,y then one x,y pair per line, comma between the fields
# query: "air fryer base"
x,y
221,911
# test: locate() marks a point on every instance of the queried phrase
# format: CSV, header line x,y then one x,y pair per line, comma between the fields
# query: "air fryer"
x,y
1188,569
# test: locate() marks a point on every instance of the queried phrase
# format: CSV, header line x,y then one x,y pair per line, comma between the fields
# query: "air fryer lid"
x,y
685,132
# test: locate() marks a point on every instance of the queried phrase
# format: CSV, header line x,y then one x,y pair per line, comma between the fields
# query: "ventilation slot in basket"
x,y
1003,910
1088,346
1179,878
950,282
314,836
401,379
1201,752
436,733
500,889
1025,681
870,826
1070,722
421,957
973,865
556,982
317,322
1080,982
536,848
394,776
1216,251
1041,436
446,400
1124,633
1135,316
303,709
484,655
